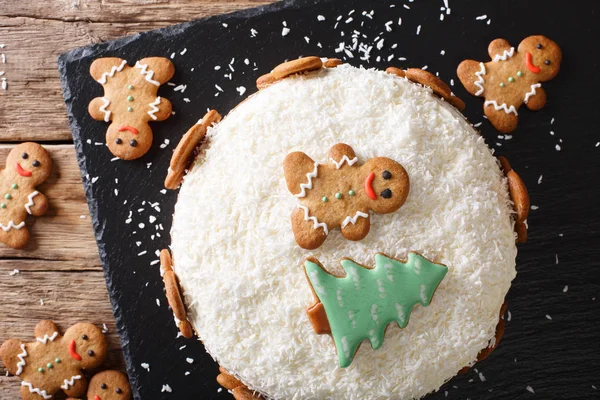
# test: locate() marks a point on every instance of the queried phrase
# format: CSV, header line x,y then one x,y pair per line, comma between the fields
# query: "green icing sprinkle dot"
x,y
49,366
129,98
7,196
2,205
57,360
519,73
511,79
338,195
40,369
501,84
130,109
14,186
351,193
324,199
130,87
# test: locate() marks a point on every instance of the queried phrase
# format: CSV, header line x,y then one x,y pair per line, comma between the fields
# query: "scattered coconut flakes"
x,y
556,257
188,372
104,328
557,147
166,388
186,100
172,55
540,179
158,302
565,289
14,272
406,6
481,377
388,26
548,317
597,144
143,253
443,52
534,207
509,316
180,88
219,390
320,18
489,21
529,389
165,143
189,360
418,29
285,31
253,32
481,17
146,366
41,302
241,90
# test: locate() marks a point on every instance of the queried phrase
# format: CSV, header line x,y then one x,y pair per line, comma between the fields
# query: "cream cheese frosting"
x,y
241,269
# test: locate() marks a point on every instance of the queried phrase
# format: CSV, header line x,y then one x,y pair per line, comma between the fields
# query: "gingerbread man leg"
x,y
358,230
304,230
27,395
78,389
503,122
536,101
15,238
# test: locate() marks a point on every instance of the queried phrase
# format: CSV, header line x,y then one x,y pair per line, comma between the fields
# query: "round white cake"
x,y
241,269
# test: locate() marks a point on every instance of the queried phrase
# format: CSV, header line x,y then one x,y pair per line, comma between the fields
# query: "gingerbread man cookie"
x,y
53,362
108,385
27,166
512,78
130,101
341,193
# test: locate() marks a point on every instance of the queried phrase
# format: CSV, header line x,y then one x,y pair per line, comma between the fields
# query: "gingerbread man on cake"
x,y
27,166
340,193
53,362
130,101
512,78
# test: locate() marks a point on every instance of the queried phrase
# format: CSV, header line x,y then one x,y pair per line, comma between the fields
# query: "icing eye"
x,y
91,353
118,141
24,156
386,194
547,62
84,336
386,175
103,386
539,46
133,142
36,163
119,390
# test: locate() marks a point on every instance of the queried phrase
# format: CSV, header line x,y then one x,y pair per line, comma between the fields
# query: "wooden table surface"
x,y
60,276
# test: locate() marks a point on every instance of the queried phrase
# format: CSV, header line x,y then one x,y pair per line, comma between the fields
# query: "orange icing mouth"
x,y
73,352
23,172
369,186
529,64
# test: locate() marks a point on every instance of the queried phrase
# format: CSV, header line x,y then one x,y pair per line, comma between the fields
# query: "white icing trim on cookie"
x,y
308,185
532,92
12,225
112,72
153,108
506,55
502,106
352,220
148,74
479,81
45,339
36,390
21,363
30,201
317,224
338,164
104,110
68,383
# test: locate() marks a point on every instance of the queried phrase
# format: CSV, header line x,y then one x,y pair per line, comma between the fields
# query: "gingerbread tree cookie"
x,y
340,193
361,304
512,78
130,101
53,362
27,166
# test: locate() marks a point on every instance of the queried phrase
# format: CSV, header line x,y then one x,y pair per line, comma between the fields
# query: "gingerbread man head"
x,y
109,385
130,102
341,193
542,56
53,362
29,163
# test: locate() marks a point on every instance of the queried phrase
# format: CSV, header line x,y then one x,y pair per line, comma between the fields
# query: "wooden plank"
x,y
69,297
61,234
124,10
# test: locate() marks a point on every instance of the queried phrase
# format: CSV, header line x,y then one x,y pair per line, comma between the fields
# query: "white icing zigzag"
x,y
69,383
21,363
502,106
104,110
507,54
148,74
11,225
479,81
532,92
339,164
112,72
45,339
154,108
36,390
352,220
30,202
308,185
317,224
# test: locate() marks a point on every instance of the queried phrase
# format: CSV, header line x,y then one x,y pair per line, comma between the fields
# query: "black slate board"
x,y
551,343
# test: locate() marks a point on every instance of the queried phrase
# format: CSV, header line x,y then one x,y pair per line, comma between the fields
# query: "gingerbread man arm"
x,y
9,353
45,327
498,46
341,154
164,109
537,101
78,388
39,207
358,230
298,169
98,111
162,69
106,66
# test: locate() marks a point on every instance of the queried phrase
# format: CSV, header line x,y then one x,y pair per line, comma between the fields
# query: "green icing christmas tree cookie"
x,y
361,304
